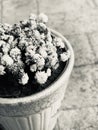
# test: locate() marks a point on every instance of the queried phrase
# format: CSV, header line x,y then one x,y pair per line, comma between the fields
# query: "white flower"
x,y
15,53
42,36
2,72
24,79
5,37
59,43
6,60
40,64
16,67
42,25
68,53
37,57
1,30
31,47
42,42
41,77
26,29
53,59
51,48
49,38
36,34
65,56
33,68
2,43
29,55
42,52
33,24
30,51
43,18
6,48
23,44
24,22
13,44
49,72
11,38
32,17
40,61
7,26
55,66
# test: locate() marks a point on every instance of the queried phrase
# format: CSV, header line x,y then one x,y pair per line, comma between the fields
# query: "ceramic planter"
x,y
39,111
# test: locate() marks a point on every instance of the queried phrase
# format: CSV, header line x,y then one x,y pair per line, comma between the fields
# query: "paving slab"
x,y
95,2
74,23
82,90
56,21
94,44
80,119
16,10
83,52
63,5
79,16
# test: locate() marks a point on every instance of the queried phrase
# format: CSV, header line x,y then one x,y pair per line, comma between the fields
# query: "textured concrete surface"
x,y
78,21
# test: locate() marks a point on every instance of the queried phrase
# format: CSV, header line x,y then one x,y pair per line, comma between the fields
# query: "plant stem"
x,y
37,6
1,4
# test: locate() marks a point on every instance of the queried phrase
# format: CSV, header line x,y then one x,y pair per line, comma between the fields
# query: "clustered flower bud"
x,y
2,68
41,77
30,44
24,79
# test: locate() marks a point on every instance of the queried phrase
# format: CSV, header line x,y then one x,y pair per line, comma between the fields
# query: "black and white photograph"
x,y
48,64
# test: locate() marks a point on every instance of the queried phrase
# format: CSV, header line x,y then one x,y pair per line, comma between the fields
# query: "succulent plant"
x,y
30,44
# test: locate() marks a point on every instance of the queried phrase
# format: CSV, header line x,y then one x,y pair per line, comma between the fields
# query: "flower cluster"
x,y
30,44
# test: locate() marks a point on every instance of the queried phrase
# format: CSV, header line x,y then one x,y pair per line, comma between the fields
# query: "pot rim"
x,y
51,88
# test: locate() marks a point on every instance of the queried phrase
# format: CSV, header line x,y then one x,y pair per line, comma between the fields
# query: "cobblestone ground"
x,y
78,21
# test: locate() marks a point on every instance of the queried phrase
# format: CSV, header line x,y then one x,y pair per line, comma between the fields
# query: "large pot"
x,y
39,111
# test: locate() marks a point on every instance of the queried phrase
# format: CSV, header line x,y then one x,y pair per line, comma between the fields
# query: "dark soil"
x,y
8,88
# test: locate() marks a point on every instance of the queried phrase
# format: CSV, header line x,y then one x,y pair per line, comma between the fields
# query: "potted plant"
x,y
35,66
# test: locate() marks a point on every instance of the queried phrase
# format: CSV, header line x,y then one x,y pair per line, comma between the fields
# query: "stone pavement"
x,y
77,20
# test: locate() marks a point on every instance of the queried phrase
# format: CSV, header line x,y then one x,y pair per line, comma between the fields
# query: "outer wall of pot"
x,y
39,111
